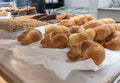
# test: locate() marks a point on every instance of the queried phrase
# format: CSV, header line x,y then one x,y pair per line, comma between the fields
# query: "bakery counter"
x,y
18,71
35,64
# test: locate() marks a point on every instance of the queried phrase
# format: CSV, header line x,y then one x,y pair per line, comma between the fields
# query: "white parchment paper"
x,y
55,59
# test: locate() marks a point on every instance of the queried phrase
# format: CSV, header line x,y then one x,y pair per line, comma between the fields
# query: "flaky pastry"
x,y
76,20
65,16
52,28
104,31
82,19
67,22
88,34
95,23
113,41
76,29
30,36
55,39
87,49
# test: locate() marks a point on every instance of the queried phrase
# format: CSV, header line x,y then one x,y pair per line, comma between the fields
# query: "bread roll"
x,y
30,36
87,49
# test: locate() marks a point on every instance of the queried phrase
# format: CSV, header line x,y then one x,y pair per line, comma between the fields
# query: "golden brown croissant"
x,y
76,20
3,13
56,39
67,22
80,20
113,41
76,29
88,34
30,36
65,16
95,23
117,26
52,28
85,50
104,31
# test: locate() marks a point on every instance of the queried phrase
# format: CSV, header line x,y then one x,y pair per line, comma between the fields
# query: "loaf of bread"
x,y
20,23
30,36
87,49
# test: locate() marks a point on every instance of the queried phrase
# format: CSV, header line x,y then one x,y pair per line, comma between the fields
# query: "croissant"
x,y
113,41
117,26
76,29
88,34
104,31
67,23
56,39
95,23
80,20
76,20
85,50
3,13
65,16
52,28
30,36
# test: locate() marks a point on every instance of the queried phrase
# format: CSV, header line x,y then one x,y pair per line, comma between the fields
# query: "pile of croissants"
x,y
85,36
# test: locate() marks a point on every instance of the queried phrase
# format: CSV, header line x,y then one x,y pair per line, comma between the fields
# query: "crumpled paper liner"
x,y
55,59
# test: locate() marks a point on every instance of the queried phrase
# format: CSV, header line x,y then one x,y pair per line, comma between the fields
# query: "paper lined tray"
x,y
55,59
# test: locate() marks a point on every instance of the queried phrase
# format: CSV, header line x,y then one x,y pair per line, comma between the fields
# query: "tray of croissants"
x,y
78,43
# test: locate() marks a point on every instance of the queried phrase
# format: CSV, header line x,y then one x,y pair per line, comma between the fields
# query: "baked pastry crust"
x,y
55,39
95,23
30,36
77,20
52,28
85,50
67,23
88,34
65,16
113,41
82,19
104,31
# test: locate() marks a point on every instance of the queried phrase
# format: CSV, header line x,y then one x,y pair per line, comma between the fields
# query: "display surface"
x,y
57,56
55,59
